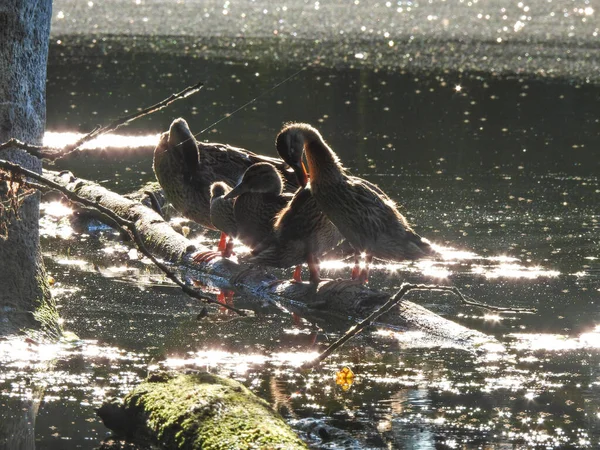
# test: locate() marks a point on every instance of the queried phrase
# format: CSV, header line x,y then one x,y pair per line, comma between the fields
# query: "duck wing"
x,y
231,162
255,215
222,216
386,231
360,213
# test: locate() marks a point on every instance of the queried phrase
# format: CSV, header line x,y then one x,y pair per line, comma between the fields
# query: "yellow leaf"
x,y
345,378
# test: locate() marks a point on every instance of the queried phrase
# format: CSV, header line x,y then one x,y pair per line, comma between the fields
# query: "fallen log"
x,y
194,411
334,298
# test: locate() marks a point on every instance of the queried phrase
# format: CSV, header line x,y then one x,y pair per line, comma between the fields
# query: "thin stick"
x,y
35,150
228,115
43,152
126,225
387,306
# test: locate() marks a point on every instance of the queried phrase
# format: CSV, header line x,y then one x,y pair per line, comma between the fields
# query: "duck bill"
x,y
301,173
236,191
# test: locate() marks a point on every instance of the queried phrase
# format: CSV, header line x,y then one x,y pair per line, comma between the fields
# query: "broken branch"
x,y
387,306
52,155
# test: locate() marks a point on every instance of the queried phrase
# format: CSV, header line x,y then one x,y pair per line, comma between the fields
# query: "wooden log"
x,y
197,411
342,300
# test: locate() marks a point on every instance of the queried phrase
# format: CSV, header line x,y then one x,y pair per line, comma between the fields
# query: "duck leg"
x,y
222,242
356,269
313,269
297,277
228,248
364,274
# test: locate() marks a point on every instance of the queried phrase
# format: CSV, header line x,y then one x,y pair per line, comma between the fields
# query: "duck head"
x,y
219,189
290,147
260,178
178,144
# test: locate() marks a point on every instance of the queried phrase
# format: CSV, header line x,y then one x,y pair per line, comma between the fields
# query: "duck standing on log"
x,y
186,169
222,217
259,197
302,233
363,214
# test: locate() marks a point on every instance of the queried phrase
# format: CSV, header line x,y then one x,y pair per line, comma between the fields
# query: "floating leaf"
x,y
345,378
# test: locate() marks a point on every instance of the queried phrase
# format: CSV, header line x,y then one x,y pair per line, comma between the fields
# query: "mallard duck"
x,y
302,233
362,213
258,198
222,216
186,169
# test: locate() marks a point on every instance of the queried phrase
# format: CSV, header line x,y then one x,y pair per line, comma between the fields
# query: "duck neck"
x,y
323,164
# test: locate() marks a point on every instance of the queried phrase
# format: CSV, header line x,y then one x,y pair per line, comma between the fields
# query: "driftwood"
x,y
332,297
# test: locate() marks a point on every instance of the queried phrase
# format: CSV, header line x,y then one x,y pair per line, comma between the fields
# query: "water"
x,y
502,169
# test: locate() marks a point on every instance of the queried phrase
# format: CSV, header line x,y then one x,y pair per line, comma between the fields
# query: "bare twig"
x,y
126,225
35,150
393,301
44,152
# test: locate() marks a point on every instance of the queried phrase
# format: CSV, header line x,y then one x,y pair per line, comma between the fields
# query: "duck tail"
x,y
419,247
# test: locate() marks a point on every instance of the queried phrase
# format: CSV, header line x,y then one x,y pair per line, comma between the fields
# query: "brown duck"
x,y
362,213
186,169
222,216
258,198
302,233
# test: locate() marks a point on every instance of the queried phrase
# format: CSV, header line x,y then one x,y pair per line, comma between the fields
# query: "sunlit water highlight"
x,y
58,140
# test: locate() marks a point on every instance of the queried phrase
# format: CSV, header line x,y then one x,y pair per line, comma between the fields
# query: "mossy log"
x,y
198,411
338,299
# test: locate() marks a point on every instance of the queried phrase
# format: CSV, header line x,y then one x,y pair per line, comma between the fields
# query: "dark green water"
x,y
505,169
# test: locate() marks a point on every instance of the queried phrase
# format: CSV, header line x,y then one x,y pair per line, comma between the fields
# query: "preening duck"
x,y
362,213
302,233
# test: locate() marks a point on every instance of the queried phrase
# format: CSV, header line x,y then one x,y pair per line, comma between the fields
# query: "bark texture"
x,y
25,301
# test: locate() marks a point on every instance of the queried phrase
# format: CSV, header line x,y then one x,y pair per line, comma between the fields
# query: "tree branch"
x,y
126,225
387,306
52,155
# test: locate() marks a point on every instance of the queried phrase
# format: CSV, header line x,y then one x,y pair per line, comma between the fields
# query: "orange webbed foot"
x,y
204,257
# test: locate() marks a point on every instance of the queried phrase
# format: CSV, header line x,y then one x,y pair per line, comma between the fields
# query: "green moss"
x,y
203,411
46,313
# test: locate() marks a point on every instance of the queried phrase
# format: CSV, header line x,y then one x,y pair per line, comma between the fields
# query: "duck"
x,y
364,215
186,169
302,233
222,217
259,197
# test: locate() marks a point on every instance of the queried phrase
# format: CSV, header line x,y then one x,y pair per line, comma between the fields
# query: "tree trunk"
x,y
25,301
